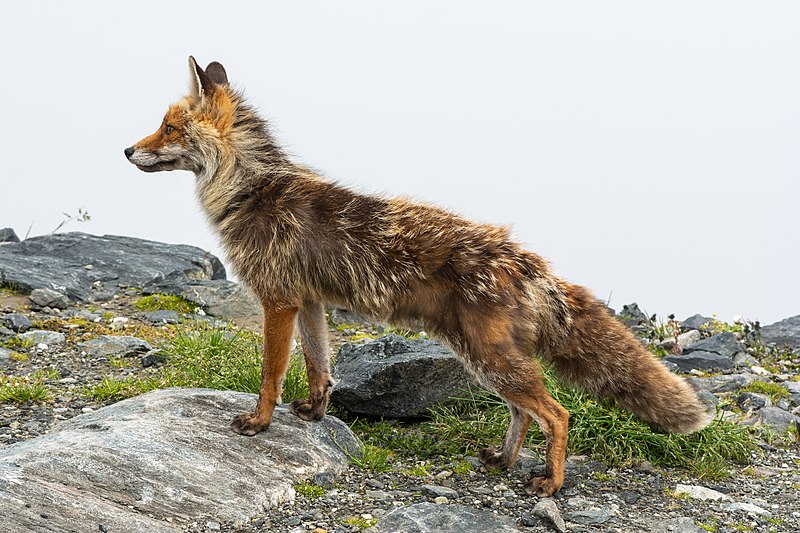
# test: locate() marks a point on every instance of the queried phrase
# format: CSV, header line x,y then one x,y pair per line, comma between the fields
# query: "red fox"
x,y
299,241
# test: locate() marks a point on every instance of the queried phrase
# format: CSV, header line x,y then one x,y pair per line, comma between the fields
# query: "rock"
x,y
526,461
153,357
218,297
5,356
701,493
696,322
437,490
775,418
432,518
588,518
697,360
164,316
753,401
547,510
684,340
783,333
744,359
58,262
683,524
115,345
17,322
49,298
748,508
8,235
632,315
396,377
794,390
41,336
168,454
724,383
724,344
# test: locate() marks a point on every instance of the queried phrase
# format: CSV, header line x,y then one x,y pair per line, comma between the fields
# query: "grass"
x,y
111,388
373,458
164,302
775,391
14,343
309,489
420,470
463,468
360,522
24,389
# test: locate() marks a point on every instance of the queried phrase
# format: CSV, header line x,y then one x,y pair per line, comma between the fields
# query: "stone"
x,y
547,510
783,333
696,322
437,490
775,418
588,517
164,316
631,315
682,524
153,357
753,401
688,338
396,377
165,455
723,383
49,298
701,493
431,518
794,391
115,345
725,344
749,508
5,356
218,297
743,359
42,336
698,360
8,235
58,262
17,322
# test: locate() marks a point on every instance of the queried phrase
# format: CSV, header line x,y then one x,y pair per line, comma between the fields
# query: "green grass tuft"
x,y
23,389
775,391
373,458
360,522
164,302
111,388
309,489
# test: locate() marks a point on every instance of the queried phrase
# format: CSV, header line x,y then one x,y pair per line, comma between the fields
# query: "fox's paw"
x,y
493,457
542,486
306,410
248,424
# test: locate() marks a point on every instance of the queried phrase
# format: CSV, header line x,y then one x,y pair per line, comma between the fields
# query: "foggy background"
x,y
648,150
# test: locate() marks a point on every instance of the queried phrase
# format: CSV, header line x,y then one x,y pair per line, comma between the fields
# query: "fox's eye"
x,y
168,129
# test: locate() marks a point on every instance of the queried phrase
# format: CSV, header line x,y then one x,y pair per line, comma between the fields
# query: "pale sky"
x,y
649,150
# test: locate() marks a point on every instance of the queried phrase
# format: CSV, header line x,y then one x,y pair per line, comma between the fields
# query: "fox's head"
x,y
194,129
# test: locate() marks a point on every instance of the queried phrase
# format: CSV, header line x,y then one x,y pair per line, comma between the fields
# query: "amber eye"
x,y
168,129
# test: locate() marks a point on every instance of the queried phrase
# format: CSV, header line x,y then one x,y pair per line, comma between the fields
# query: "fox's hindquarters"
x,y
603,357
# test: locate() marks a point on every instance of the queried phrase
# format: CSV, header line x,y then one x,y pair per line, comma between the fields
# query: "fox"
x,y
299,241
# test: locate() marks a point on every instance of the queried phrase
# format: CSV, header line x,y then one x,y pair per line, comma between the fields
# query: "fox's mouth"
x,y
158,166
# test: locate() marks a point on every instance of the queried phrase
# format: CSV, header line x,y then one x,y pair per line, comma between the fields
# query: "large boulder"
x,y
8,235
396,377
724,344
783,333
217,297
433,518
160,461
72,262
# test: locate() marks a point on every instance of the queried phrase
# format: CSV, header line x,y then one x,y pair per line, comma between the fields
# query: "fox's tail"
x,y
603,357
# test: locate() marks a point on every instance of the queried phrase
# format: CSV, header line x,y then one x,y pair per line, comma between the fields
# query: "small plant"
x,y
463,468
81,216
373,458
19,356
360,522
16,343
23,389
775,391
419,470
309,489
111,388
164,302
709,526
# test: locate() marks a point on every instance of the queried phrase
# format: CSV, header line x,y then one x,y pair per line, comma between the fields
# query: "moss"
x,y
775,391
309,489
164,302
360,522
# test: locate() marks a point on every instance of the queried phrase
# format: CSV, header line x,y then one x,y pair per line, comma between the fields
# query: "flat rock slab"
x,y
783,333
700,360
217,297
396,377
433,518
71,262
166,454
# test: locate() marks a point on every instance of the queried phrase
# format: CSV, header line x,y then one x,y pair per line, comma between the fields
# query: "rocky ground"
x,y
53,336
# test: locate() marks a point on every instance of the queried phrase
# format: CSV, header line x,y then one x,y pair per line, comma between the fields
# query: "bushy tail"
x,y
603,357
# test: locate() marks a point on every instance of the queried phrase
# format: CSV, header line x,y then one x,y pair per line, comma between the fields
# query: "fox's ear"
x,y
199,82
217,73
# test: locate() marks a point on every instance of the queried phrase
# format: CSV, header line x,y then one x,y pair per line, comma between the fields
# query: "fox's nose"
x,y
129,151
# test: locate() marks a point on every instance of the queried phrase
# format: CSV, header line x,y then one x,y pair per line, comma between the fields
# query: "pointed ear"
x,y
199,83
217,73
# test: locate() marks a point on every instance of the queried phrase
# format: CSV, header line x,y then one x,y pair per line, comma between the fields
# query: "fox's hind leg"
x,y
278,330
505,455
314,336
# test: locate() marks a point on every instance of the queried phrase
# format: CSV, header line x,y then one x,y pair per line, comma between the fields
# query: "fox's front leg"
x,y
278,330
314,336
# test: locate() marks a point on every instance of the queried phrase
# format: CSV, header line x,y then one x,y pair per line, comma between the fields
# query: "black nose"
x,y
129,151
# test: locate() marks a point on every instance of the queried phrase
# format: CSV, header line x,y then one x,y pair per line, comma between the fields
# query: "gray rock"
x,y
749,508
49,298
17,322
794,390
164,316
696,322
699,492
50,338
218,297
115,345
8,235
724,344
632,315
5,355
396,377
58,261
724,383
437,490
753,401
547,510
588,517
775,418
432,518
697,360
783,333
153,357
168,454
683,524
743,359
685,340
